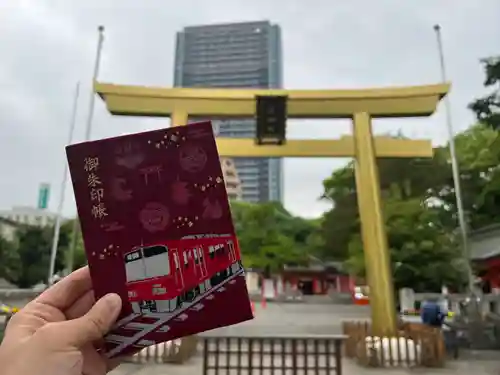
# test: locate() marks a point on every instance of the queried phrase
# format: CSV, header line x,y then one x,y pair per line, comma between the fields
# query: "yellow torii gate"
x,y
359,105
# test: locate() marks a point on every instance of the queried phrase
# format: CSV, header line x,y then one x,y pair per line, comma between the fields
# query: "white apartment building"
x,y
8,229
231,179
29,216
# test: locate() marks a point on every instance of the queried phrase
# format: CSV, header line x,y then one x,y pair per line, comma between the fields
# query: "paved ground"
x,y
194,367
303,319
296,318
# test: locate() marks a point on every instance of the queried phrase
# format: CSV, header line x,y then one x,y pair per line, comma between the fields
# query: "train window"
x,y
221,250
154,250
134,266
200,253
156,261
186,263
211,252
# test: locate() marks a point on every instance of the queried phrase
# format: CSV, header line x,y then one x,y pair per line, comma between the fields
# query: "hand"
x,y
58,332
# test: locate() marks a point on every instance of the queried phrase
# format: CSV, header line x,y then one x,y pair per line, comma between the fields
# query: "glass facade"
x,y
236,56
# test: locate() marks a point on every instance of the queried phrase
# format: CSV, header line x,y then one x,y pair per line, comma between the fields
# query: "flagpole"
x,y
57,226
88,131
454,164
90,116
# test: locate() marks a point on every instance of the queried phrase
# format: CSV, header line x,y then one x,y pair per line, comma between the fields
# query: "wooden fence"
x,y
414,345
285,355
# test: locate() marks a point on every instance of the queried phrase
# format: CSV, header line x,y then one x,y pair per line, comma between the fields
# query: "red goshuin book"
x,y
158,231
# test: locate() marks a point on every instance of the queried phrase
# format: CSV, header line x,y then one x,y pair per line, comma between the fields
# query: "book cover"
x,y
157,230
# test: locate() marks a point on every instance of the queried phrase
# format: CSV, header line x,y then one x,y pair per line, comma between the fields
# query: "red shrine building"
x,y
317,278
484,246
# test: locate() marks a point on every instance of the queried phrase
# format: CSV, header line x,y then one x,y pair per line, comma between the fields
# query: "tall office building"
x,y
237,55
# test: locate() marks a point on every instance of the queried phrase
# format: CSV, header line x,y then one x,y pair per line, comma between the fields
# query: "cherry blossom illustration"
x,y
175,138
169,140
179,192
107,252
192,158
213,210
154,217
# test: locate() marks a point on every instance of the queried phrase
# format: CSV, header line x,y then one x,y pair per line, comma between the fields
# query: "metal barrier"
x,y
285,355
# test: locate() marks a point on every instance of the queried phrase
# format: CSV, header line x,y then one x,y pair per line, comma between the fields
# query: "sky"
x,y
47,46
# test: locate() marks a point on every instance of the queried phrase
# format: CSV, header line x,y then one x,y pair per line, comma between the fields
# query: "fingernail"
x,y
113,301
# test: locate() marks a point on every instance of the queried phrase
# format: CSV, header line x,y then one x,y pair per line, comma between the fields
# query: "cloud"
x,y
48,45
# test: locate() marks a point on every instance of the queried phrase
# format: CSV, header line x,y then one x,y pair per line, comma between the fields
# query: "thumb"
x,y
96,323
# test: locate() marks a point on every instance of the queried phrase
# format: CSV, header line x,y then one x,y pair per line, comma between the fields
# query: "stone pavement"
x,y
303,319
194,367
300,319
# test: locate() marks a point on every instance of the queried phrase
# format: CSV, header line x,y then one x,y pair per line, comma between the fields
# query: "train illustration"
x,y
163,277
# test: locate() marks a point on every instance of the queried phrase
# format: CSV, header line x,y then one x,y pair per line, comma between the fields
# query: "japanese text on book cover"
x,y
158,231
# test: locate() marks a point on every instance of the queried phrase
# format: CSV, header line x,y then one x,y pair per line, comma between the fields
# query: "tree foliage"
x,y
478,159
417,235
34,254
420,209
25,262
487,108
269,236
78,252
9,260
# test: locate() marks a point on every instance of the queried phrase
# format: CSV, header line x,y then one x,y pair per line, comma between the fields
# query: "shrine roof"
x,y
484,243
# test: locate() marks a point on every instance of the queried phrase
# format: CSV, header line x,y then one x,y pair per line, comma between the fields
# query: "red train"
x,y
162,277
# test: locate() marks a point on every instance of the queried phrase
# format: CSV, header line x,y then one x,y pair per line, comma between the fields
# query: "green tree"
x,y
341,222
9,260
34,254
487,108
424,254
78,254
478,158
269,236
419,221
413,177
